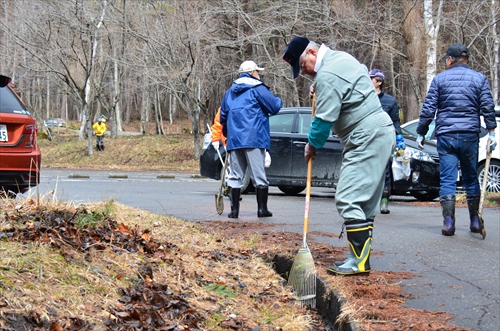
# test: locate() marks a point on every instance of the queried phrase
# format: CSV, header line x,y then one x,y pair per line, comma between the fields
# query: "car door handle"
x,y
299,142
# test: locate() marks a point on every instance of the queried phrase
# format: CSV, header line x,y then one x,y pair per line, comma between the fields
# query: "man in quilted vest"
x,y
456,98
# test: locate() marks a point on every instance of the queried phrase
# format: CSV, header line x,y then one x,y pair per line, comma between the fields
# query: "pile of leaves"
x,y
93,268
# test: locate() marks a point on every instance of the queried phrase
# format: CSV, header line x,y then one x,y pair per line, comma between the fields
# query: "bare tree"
x,y
432,24
63,40
158,59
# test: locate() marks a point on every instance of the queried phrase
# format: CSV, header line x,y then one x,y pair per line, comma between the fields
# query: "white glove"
x,y
420,141
267,161
216,145
492,141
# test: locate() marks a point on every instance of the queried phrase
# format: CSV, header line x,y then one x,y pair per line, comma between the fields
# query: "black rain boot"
x,y
448,209
359,236
384,203
98,147
234,198
262,193
473,204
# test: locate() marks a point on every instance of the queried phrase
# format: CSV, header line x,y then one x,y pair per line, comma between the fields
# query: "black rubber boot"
x,y
262,193
98,147
384,203
448,209
234,198
473,204
359,236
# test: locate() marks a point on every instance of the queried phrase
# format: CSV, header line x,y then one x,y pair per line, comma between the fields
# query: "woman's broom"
x,y
302,276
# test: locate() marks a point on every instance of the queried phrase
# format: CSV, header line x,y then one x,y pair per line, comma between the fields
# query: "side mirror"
x,y
4,81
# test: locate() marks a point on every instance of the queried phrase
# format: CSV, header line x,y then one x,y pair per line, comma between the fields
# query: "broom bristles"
x,y
302,278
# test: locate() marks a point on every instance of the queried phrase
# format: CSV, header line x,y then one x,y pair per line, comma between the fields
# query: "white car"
x,y
493,184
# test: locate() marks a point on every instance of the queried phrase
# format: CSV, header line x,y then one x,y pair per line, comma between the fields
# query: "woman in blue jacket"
x,y
244,116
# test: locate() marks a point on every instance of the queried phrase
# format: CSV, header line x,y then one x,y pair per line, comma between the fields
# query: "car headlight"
x,y
419,155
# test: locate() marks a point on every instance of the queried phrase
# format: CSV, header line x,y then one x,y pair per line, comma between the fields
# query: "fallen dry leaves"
x,y
132,270
111,267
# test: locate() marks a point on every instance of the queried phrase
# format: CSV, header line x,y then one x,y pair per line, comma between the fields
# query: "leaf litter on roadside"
x,y
110,267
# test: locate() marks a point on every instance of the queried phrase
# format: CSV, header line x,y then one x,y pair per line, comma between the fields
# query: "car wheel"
x,y
247,185
493,182
291,190
425,195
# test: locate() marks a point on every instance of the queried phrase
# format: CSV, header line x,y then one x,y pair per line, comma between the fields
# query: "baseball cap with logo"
x,y
293,51
249,66
457,50
377,73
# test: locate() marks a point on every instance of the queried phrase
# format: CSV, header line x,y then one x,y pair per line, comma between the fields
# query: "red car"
x,y
20,156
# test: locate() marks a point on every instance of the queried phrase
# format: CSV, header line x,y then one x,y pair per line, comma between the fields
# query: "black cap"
x,y
457,50
293,52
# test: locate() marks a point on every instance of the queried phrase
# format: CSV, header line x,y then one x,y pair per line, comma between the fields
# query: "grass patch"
x,y
138,152
100,262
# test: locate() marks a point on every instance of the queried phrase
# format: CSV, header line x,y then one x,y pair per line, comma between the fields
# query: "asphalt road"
x,y
459,274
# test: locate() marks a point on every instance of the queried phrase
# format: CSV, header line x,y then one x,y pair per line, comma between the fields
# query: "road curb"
x,y
117,176
165,176
328,302
78,176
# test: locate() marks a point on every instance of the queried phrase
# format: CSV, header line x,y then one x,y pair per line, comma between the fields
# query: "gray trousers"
x,y
240,160
366,151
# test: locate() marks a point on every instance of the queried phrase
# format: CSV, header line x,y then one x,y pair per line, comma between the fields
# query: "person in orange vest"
x,y
217,135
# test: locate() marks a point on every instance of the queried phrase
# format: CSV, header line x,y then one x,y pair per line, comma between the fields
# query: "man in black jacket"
x,y
457,97
390,106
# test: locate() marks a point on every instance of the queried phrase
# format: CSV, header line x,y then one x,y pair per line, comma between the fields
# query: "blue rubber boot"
x,y
473,204
448,208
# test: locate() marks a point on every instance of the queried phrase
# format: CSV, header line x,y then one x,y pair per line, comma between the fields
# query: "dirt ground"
x,y
374,302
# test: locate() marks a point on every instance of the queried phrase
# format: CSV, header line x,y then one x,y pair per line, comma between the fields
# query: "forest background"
x,y
164,61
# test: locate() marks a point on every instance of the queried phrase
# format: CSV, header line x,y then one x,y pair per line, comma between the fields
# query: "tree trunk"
x,y
144,111
495,60
157,112
432,31
117,96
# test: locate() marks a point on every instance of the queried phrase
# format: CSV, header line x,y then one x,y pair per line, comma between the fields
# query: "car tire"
x,y
291,190
493,183
425,195
247,185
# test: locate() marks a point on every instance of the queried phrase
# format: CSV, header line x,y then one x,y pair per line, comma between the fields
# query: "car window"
x,y
281,122
9,103
304,123
412,130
